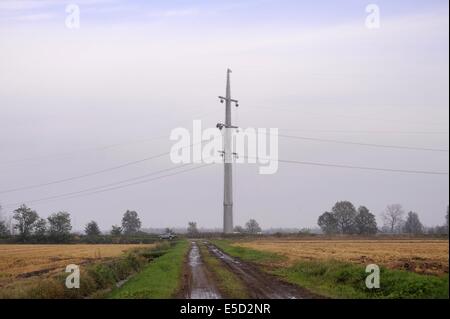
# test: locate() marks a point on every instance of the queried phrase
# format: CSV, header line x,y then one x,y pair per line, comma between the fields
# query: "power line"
x,y
99,148
111,184
394,120
101,189
412,148
83,175
366,168
368,131
354,167
93,173
68,154
86,192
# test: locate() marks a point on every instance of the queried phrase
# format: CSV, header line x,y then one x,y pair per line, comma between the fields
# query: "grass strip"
x,y
229,285
247,254
161,279
345,280
338,279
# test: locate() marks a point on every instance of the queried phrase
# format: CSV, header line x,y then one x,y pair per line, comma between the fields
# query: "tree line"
x,y
345,218
251,227
58,226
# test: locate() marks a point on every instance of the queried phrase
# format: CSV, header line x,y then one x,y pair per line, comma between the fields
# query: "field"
x,y
421,256
23,261
266,267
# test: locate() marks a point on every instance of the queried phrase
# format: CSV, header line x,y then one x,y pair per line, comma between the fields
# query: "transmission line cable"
x,y
86,192
354,167
94,172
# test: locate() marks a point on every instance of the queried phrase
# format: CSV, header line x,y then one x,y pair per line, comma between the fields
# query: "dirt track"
x,y
200,285
259,284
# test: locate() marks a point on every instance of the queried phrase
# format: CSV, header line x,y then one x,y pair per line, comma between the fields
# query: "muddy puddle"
x,y
201,284
260,284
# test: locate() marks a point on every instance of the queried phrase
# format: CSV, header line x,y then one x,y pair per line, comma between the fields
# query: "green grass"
x,y
161,279
337,279
247,254
228,283
344,280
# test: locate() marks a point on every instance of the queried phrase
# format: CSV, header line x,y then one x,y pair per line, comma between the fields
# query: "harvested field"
x,y
22,261
421,256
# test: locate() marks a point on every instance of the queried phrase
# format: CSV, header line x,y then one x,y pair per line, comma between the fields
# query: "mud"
x,y
201,285
260,285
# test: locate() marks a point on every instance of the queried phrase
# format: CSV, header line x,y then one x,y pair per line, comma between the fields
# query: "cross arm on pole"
x,y
222,99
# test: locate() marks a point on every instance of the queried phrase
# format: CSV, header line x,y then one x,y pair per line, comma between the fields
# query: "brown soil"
x,y
260,284
199,283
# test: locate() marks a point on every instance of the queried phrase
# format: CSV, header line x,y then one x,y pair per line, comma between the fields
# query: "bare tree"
x,y
393,217
3,229
252,227
446,221
192,229
239,229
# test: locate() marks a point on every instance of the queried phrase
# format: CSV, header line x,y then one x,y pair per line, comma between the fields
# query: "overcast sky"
x,y
135,70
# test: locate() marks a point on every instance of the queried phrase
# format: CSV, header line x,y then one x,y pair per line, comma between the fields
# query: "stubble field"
x,y
23,261
417,255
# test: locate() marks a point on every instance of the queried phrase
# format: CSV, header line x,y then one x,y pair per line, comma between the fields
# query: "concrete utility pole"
x,y
227,155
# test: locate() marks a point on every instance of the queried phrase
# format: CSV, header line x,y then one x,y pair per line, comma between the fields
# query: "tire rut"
x,y
260,285
201,285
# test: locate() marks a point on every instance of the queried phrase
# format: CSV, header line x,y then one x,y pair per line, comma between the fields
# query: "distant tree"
x,y
328,223
116,230
239,229
365,222
305,231
92,229
393,217
252,227
436,230
25,220
3,229
40,228
130,222
344,212
59,226
168,231
446,221
413,224
192,228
